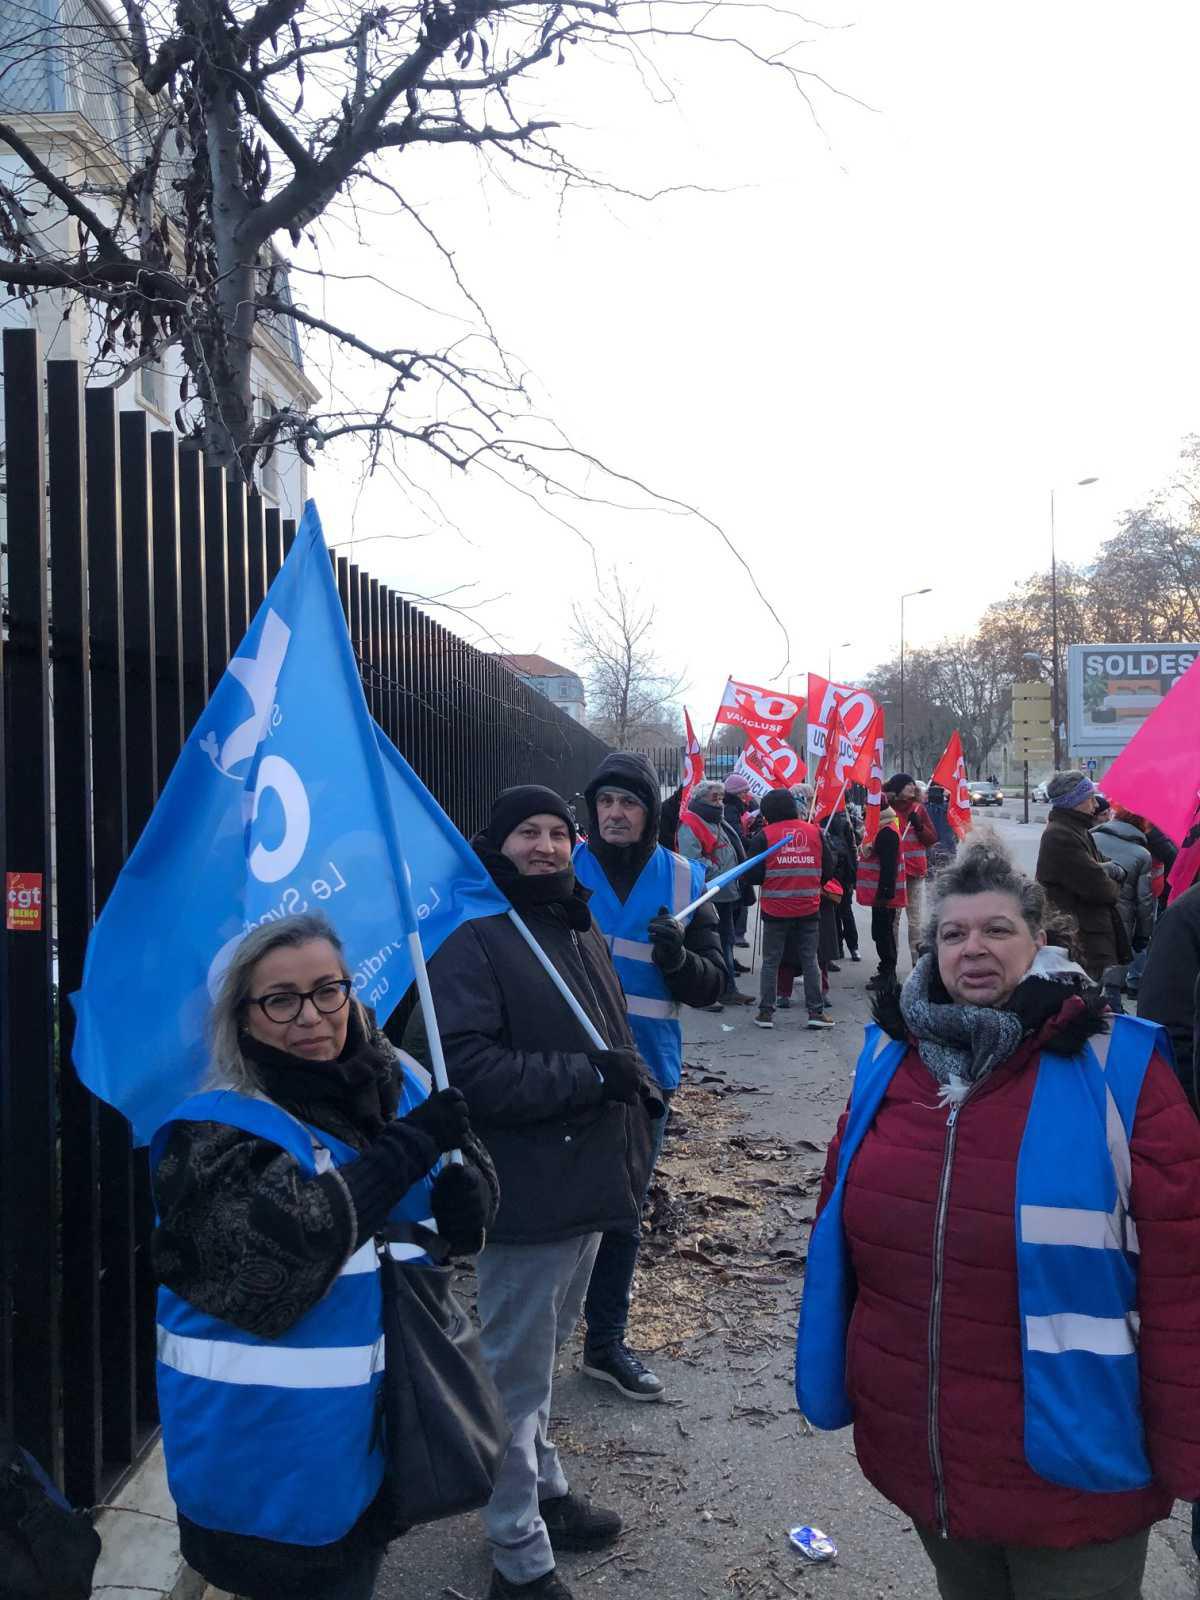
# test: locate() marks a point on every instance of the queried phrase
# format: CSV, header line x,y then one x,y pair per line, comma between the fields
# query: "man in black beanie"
x,y
569,1128
636,886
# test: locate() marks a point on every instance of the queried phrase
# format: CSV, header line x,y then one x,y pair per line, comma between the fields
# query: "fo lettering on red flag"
x,y
769,763
855,709
951,774
829,785
693,762
758,711
871,757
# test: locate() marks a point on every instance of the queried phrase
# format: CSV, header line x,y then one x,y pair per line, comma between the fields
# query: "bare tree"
x,y
237,124
631,698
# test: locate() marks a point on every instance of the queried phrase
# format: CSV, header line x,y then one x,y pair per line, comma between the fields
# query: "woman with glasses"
x,y
271,1186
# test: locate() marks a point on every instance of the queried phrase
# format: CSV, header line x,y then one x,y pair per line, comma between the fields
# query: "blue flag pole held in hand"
x,y
286,798
723,878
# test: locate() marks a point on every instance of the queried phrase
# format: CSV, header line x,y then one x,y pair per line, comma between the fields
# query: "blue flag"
x,y
287,797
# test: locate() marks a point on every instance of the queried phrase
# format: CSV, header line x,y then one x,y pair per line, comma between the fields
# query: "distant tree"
x,y
631,698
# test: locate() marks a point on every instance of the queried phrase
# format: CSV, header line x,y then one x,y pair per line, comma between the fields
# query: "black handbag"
x,y
444,1427
47,1550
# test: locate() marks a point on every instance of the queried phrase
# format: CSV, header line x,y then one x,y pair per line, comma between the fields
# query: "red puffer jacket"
x,y
890,1206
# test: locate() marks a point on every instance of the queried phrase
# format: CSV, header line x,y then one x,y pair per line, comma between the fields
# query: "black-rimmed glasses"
x,y
285,1005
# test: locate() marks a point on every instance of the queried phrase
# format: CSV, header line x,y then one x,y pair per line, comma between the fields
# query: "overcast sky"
x,y
868,359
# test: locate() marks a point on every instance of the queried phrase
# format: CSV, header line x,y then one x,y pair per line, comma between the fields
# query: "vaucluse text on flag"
x,y
287,797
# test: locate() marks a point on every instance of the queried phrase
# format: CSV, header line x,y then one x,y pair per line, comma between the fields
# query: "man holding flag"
x,y
636,887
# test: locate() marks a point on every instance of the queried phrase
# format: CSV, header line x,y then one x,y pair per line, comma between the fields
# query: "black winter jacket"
x,y
569,1162
1167,993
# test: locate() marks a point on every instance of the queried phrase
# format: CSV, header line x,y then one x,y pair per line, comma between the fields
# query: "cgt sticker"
x,y
23,902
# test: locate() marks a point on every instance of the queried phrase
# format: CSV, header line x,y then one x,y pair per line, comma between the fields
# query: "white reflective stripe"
x,y
1089,1230
790,894
273,1366
638,1006
322,1158
1070,1330
632,950
1100,1046
405,1252
364,1259
681,872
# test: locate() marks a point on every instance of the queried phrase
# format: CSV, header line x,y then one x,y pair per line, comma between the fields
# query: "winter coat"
x,y
702,978
735,813
1070,871
729,852
1123,843
844,846
975,1396
1167,993
569,1161
946,847
1163,848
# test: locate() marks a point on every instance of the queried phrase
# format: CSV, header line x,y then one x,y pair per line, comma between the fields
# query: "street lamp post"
x,y
912,593
829,657
1080,483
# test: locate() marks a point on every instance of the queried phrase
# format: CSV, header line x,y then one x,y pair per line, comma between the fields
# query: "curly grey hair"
x,y
709,789
228,1068
985,866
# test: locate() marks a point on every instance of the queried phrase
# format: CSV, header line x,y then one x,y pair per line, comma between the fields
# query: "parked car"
x,y
1040,793
984,793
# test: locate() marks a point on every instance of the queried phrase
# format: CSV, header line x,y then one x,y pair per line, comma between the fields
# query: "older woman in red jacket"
x,y
1001,1289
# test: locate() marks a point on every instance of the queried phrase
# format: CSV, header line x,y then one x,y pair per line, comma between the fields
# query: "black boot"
x,y
619,1366
574,1523
548,1587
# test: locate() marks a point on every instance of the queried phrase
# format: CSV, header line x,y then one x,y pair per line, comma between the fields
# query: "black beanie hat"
x,y
512,806
779,805
900,781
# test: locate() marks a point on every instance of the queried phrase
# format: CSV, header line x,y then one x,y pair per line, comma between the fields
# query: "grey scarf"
x,y
958,1043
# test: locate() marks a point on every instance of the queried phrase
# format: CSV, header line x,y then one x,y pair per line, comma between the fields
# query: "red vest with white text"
x,y
792,886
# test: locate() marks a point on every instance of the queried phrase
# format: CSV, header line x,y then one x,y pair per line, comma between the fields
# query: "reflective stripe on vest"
x,y
1078,1307
666,880
792,879
239,1411
866,888
916,862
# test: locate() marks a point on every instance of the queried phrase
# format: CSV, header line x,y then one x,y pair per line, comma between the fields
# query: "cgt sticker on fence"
x,y
23,902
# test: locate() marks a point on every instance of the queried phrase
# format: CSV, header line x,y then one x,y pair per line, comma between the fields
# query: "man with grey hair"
x,y
705,836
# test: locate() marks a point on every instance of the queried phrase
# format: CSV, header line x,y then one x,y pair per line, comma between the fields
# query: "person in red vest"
x,y
790,903
917,836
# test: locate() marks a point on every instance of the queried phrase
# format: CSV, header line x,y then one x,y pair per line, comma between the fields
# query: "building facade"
x,y
560,685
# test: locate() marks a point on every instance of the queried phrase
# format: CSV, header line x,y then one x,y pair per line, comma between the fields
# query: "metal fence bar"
x,y
74,911
193,585
107,623
274,531
256,553
27,1065
235,534
168,614
216,575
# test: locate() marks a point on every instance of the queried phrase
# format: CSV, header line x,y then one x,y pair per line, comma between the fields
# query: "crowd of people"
x,y
1011,1342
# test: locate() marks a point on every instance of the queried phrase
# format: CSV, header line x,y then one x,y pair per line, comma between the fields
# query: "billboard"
x,y
1113,688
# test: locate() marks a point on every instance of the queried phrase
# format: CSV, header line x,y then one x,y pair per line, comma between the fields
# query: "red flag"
x,y
872,749
855,708
1157,775
951,773
768,763
693,763
830,783
759,711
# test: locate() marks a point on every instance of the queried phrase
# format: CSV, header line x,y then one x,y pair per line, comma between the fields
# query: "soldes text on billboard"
x,y
1113,688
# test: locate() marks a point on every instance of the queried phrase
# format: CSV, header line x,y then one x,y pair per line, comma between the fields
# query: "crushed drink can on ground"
x,y
812,1544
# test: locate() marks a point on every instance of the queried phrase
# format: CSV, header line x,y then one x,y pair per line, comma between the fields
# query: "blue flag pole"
x,y
734,873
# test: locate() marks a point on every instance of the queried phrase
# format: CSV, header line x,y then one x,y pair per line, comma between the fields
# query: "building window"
x,y
152,388
268,469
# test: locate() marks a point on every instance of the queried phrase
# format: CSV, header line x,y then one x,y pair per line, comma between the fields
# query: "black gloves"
x,y
666,939
460,1203
442,1118
622,1074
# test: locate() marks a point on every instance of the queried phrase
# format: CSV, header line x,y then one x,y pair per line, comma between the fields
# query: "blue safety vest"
x,y
1077,1257
280,1438
666,880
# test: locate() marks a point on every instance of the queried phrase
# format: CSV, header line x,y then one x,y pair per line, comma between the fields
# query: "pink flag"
x,y
1157,774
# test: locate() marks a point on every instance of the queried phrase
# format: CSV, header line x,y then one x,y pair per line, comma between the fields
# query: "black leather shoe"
x,y
548,1587
619,1366
574,1523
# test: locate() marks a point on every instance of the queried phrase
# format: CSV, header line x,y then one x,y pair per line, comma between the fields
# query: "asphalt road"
x,y
711,1480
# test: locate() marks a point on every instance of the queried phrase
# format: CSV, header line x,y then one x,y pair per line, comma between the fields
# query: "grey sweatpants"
x,y
968,1569
529,1300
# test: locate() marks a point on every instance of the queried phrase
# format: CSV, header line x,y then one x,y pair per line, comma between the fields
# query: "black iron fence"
x,y
131,569
667,760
